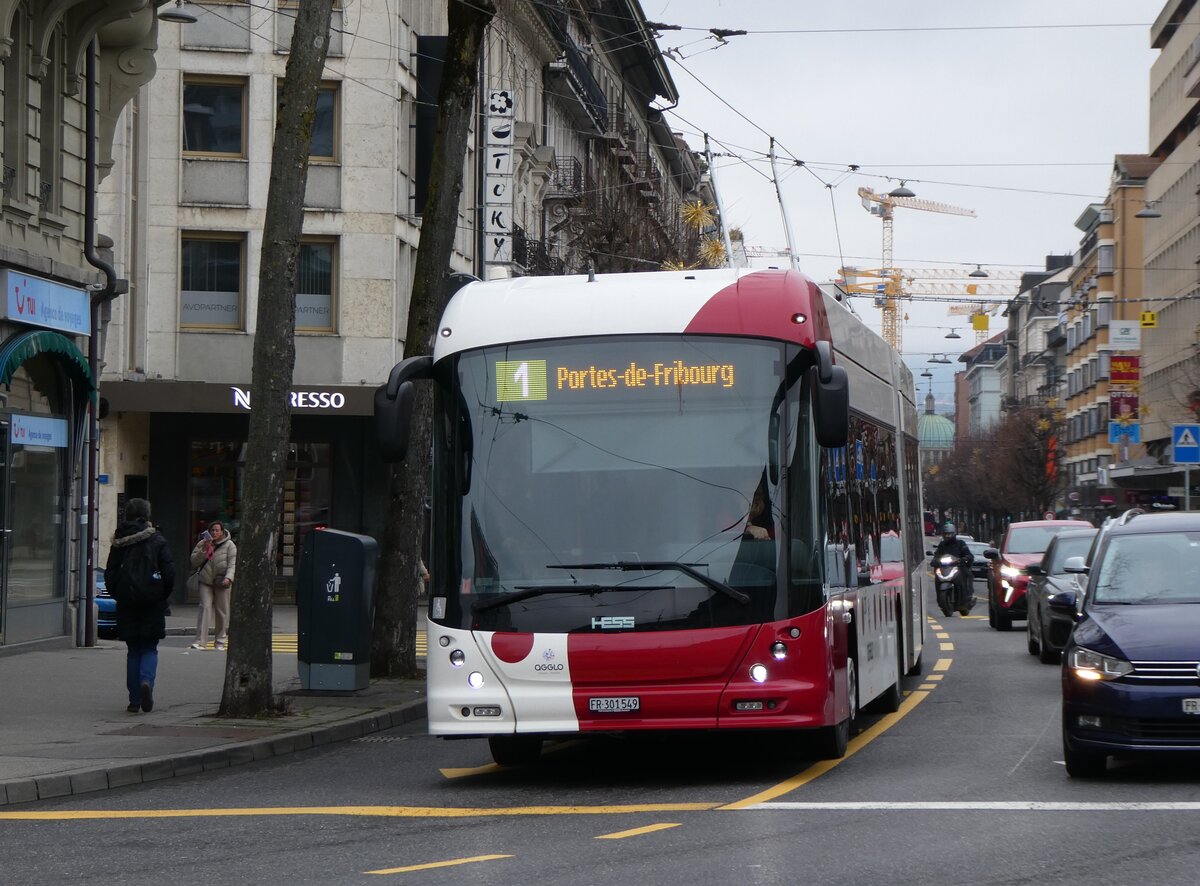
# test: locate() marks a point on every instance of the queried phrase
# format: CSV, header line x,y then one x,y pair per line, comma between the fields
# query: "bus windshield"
x,y
617,483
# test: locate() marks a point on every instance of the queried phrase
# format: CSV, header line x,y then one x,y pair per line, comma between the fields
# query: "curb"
x,y
87,781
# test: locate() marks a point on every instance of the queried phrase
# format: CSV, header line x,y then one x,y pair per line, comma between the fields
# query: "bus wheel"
x,y
833,740
892,697
515,750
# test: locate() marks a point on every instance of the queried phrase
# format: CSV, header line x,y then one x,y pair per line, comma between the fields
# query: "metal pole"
x,y
787,226
712,174
1187,487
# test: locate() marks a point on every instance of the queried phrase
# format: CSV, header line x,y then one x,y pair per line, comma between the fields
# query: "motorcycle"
x,y
950,577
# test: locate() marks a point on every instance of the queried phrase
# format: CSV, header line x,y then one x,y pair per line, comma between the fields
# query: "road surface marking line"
x,y
989,806
942,635
471,770
975,616
822,766
942,664
361,811
487,768
928,686
437,864
935,676
637,832
946,647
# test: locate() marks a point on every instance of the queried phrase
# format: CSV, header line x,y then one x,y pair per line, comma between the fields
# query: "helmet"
x,y
949,530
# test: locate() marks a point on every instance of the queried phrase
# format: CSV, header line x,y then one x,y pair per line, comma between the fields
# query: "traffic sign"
x,y
1149,320
1129,432
1185,444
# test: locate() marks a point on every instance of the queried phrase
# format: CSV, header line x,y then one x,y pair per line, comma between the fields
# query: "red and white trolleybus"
x,y
669,500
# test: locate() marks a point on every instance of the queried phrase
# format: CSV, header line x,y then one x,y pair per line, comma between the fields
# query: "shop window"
x,y
33,490
214,117
211,281
315,279
216,476
323,147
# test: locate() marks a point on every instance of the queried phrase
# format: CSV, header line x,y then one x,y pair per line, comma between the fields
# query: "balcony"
x,y
566,184
534,256
615,133
570,80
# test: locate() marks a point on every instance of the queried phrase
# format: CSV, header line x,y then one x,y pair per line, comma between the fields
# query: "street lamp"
x,y
1148,211
179,13
902,191
978,272
952,334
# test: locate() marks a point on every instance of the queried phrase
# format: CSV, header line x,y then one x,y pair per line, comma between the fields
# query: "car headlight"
x,y
1009,571
1090,665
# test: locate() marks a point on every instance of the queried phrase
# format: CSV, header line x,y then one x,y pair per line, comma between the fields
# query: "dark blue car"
x,y
1131,668
106,609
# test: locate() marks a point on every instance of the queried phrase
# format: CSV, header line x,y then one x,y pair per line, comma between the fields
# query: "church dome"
x,y
934,431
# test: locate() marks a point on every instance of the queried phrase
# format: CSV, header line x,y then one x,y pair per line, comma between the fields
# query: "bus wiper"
x,y
524,592
654,565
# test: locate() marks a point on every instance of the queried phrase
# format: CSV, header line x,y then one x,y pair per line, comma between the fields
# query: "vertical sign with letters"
x,y
498,178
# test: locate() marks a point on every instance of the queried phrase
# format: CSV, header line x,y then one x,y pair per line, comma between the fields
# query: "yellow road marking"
x,y
946,647
942,664
437,864
975,616
934,677
359,811
928,686
820,768
942,635
637,832
471,770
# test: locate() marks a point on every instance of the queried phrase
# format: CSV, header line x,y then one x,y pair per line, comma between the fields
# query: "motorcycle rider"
x,y
952,545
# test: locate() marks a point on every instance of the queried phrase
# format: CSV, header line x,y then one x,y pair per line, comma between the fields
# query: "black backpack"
x,y
139,579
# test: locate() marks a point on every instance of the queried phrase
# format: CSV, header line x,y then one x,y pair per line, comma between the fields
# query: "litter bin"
x,y
335,602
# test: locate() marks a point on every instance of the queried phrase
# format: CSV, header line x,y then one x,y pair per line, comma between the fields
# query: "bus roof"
x,y
775,304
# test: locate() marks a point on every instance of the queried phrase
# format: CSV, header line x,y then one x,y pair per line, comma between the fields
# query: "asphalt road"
x,y
964,786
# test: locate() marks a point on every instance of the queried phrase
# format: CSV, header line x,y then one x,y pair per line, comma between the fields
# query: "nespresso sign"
x,y
298,399
178,396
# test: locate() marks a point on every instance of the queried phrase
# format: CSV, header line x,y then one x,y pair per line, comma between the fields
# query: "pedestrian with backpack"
x,y
140,575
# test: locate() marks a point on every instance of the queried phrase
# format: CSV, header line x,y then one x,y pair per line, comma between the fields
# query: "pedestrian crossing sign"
x,y
1185,444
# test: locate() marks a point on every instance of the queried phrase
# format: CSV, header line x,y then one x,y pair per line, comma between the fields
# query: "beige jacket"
x,y
222,565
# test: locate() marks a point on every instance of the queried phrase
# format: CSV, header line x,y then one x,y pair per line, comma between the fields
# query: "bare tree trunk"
x,y
393,641
248,688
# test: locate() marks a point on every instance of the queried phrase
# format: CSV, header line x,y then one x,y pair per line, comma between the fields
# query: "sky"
x,y
1012,109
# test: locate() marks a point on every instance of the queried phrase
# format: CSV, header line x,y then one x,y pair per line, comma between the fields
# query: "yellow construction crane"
x,y
891,280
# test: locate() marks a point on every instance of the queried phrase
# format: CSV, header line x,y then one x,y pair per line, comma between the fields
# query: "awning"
x,y
25,345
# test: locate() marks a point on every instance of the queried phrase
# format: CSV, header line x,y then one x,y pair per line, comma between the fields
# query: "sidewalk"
x,y
64,728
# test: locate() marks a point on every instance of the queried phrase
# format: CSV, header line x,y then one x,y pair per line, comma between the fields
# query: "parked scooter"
x,y
952,581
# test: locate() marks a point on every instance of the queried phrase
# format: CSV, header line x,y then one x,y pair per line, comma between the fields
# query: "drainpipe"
x,y
101,294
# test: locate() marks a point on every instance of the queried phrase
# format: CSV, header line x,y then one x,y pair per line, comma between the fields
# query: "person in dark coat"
x,y
140,625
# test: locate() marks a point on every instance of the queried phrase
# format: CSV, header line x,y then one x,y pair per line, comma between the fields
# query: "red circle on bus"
x,y
512,648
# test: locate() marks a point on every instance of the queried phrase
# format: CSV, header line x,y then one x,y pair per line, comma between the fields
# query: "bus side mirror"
x,y
394,405
831,408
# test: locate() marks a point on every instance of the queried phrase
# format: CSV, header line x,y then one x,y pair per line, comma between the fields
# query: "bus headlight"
x,y
457,657
758,673
474,679
779,650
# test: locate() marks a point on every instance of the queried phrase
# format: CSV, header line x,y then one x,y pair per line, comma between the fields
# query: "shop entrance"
x,y
5,532
215,493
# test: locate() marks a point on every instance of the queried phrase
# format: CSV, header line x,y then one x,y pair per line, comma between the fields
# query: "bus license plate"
x,y
1191,705
611,705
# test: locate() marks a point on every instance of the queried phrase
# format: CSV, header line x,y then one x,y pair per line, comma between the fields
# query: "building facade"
x,y
1102,370
984,383
190,184
1171,361
68,70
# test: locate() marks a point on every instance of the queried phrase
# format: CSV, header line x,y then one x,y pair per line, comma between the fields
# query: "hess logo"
x,y
613,623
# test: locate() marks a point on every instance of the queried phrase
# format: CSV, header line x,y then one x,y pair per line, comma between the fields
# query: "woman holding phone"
x,y
215,559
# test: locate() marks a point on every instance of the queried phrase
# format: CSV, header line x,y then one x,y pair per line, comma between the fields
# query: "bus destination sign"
x,y
533,379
